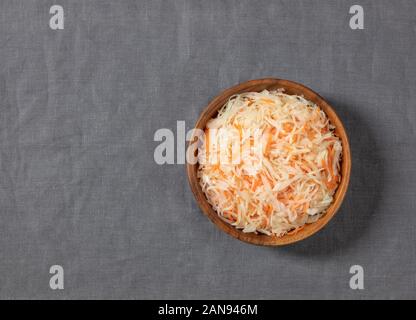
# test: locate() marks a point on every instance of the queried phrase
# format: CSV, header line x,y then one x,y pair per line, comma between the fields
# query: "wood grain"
x,y
290,88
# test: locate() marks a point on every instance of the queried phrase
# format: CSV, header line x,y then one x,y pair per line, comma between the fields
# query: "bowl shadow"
x,y
365,190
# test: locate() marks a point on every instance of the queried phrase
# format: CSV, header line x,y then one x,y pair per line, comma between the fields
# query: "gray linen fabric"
x,y
79,108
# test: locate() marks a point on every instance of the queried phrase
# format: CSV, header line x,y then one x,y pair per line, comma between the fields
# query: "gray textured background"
x,y
79,108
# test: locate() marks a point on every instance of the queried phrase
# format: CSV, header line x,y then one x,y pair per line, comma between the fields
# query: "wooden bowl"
x,y
290,88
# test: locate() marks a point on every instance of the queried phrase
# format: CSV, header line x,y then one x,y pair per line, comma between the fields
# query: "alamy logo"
x,y
213,146
357,20
357,280
57,280
57,20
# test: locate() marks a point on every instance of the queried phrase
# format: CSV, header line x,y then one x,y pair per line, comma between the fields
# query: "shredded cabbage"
x,y
270,162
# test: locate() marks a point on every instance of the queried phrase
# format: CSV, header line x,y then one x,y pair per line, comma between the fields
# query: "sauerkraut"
x,y
270,162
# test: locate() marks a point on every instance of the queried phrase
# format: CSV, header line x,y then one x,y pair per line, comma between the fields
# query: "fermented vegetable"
x,y
270,162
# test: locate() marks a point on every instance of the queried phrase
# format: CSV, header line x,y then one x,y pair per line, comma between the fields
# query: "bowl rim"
x,y
310,229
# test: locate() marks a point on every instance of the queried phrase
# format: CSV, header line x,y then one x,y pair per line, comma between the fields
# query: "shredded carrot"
x,y
296,230
288,127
